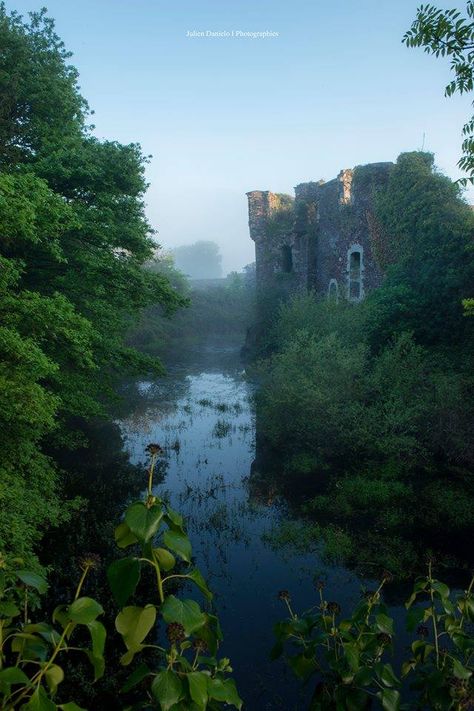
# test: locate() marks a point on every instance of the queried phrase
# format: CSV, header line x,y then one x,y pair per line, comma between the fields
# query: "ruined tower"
x,y
320,239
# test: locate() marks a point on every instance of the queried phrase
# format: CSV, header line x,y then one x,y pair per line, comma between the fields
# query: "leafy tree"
x,y
41,105
429,228
447,33
74,241
200,260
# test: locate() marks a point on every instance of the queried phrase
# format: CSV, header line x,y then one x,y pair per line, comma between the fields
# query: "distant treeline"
x,y
217,308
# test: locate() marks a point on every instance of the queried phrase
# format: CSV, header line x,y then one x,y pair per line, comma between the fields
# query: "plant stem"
x,y
150,474
433,610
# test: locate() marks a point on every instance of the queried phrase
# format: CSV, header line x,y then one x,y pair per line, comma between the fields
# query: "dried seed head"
x,y
284,595
175,632
334,608
319,584
387,576
199,645
154,448
89,560
422,631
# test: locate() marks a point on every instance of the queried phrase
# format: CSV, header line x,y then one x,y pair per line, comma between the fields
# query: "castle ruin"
x,y
321,239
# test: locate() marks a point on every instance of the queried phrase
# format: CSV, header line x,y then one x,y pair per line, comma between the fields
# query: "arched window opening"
x,y
286,259
355,268
333,291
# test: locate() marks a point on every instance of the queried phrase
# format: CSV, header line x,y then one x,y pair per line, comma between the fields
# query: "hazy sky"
x,y
222,116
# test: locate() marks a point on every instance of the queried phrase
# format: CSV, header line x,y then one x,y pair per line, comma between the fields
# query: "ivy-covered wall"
x,y
322,237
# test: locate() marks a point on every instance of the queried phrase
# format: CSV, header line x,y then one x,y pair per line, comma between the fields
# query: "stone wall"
x,y
321,240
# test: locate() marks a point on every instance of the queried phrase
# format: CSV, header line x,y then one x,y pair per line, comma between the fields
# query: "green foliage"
x,y
74,242
189,675
370,406
428,227
224,309
281,219
31,653
447,33
348,657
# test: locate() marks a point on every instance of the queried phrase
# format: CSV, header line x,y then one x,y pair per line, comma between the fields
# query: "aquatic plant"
x,y
205,402
221,429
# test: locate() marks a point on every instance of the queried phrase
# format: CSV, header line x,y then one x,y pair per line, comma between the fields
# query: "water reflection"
x,y
203,415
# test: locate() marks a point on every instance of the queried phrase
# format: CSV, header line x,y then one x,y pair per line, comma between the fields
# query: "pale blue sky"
x,y
224,116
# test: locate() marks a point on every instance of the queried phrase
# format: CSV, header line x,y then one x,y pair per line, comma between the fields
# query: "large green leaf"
x,y
39,701
164,558
198,579
302,666
384,623
30,646
134,623
179,543
32,580
136,677
167,688
460,671
386,675
186,612
390,699
84,610
96,655
123,536
14,675
210,633
98,635
54,676
174,520
198,688
224,690
142,521
46,631
123,576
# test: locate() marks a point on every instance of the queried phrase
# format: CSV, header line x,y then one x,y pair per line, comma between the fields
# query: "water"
x,y
203,414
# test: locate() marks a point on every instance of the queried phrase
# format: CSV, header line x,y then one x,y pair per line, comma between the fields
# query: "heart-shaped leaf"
x,y
167,688
32,580
123,576
165,559
84,610
134,623
143,522
186,612
179,543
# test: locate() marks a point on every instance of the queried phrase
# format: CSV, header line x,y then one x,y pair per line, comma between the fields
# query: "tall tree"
x,y
447,33
73,242
200,260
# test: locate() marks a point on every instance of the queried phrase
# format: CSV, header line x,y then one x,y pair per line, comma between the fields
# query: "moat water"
x,y
203,414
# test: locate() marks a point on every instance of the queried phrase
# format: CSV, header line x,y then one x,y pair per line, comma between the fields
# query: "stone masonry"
x,y
321,239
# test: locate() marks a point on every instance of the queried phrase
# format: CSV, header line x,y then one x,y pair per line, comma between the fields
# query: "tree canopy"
x,y
446,33
200,260
73,242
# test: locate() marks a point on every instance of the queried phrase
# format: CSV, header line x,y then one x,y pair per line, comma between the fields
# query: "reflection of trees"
x,y
144,403
366,540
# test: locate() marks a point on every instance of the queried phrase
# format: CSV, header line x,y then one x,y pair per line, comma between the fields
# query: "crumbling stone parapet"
x,y
322,240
